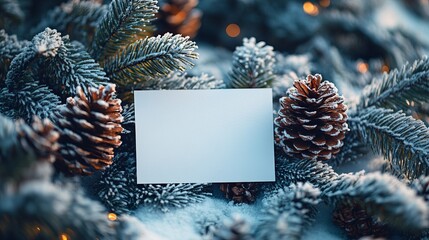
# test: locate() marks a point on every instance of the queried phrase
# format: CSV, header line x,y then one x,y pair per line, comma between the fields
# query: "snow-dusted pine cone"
x,y
40,138
90,128
311,122
240,192
356,221
179,17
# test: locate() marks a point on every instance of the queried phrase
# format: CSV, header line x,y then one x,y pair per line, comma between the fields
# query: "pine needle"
x,y
402,140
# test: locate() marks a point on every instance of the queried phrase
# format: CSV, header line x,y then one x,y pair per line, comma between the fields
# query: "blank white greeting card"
x,y
204,136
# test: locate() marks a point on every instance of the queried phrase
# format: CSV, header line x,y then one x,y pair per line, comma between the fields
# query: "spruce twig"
x,y
125,22
403,140
151,57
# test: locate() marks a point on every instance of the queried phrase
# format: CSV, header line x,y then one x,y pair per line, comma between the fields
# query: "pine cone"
x,y
356,221
41,138
179,17
311,122
90,129
240,192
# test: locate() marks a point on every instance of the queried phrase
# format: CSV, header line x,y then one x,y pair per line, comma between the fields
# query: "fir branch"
x,y
28,99
124,22
131,228
252,65
46,211
288,212
151,57
10,11
45,44
166,197
14,158
71,68
177,81
352,150
399,88
421,186
234,228
402,140
118,189
10,46
78,19
384,196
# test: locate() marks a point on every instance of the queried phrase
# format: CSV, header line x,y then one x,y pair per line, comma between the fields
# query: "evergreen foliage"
x,y
252,65
125,22
398,89
385,196
42,210
78,19
28,99
288,212
151,57
403,140
234,228
10,12
119,190
71,68
10,46
14,158
401,206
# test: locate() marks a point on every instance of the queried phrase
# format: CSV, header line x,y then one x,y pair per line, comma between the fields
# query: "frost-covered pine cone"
x,y
356,221
40,138
240,192
311,122
90,128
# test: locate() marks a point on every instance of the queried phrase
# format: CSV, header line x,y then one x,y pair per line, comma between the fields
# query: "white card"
x,y
204,136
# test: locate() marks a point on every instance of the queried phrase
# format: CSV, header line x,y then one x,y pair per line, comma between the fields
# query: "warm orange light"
x,y
112,217
310,8
64,237
232,30
385,68
325,3
38,229
362,67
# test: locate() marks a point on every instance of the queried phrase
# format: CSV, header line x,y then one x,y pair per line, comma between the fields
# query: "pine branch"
x,y
151,57
10,46
169,196
352,150
14,158
45,44
384,196
29,98
118,189
402,140
10,11
399,88
54,61
177,81
47,211
288,212
23,146
71,68
252,65
78,19
125,22
234,228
